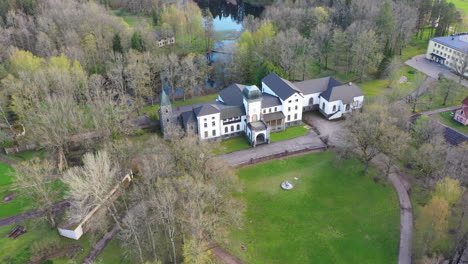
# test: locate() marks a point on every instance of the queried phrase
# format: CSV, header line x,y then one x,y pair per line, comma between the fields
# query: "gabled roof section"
x,y
346,93
232,111
164,99
317,85
188,117
269,100
465,101
232,95
206,109
281,87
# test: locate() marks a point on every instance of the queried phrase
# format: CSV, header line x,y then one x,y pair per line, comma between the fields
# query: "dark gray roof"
x,y
206,109
257,126
164,99
273,116
188,117
232,95
283,88
269,100
345,93
232,111
317,85
459,43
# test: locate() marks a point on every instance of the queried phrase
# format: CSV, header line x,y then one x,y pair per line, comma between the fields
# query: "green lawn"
x,y
152,110
447,119
113,254
416,46
378,87
463,6
333,215
20,250
289,133
239,143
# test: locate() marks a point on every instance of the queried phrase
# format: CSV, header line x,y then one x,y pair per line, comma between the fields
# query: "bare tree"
x,y
35,179
461,67
90,186
52,124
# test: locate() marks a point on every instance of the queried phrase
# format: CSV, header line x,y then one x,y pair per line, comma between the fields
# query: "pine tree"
x,y
116,44
137,42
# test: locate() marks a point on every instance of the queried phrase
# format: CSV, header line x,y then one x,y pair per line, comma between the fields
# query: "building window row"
x,y
226,129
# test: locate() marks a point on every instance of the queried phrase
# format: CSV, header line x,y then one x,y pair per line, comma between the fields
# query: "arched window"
x,y
323,106
232,128
238,127
311,101
334,108
225,129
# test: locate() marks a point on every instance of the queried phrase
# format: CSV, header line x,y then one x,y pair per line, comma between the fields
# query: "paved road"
x,y
330,129
432,69
310,141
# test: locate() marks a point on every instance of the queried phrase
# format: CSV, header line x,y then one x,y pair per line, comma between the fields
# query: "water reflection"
x,y
222,9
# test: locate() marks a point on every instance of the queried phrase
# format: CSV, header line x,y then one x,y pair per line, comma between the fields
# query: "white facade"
x,y
209,126
261,106
292,107
72,233
449,51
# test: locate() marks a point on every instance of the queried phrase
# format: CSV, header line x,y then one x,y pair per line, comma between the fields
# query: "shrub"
x,y
138,132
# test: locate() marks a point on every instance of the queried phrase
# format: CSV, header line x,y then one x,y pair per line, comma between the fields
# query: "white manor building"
x,y
253,112
450,51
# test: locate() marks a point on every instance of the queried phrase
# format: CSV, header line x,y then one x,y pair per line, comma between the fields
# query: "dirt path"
x,y
60,206
225,256
440,110
100,245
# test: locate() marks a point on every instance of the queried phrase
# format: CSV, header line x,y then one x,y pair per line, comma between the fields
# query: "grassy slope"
x,y
333,215
447,119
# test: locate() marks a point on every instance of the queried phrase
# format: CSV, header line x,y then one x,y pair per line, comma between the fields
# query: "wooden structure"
x,y
75,230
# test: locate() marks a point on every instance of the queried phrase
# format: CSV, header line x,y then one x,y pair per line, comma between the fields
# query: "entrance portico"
x,y
258,133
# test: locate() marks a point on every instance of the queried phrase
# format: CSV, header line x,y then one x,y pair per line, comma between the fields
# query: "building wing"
x,y
281,87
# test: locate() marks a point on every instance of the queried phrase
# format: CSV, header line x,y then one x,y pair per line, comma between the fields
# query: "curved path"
x,y
328,130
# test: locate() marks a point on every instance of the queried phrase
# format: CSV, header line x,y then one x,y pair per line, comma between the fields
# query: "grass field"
x,y
239,143
333,214
379,87
20,250
152,110
446,118
463,6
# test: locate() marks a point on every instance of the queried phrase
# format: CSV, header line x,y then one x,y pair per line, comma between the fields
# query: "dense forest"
x,y
75,75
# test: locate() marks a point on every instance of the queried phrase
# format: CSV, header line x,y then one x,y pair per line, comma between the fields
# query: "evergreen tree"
x,y
385,26
155,17
137,42
116,44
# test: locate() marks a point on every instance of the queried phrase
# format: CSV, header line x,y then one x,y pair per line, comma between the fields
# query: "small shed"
x,y
75,230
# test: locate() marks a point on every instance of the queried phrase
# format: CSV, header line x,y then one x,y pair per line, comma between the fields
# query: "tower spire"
x,y
164,99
